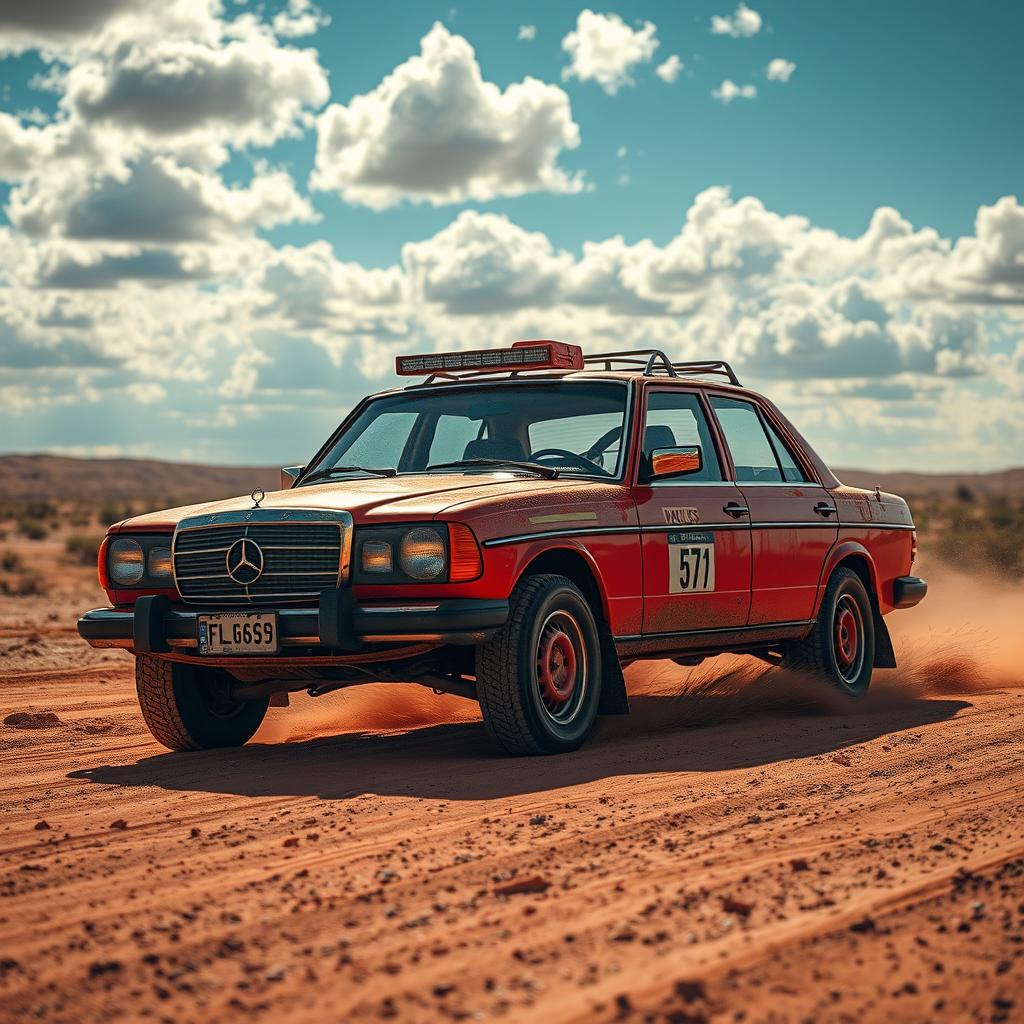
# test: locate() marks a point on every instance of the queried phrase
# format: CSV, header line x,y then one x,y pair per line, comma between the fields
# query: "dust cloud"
x,y
964,638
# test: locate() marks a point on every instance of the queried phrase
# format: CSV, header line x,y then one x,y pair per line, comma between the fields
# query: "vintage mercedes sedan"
x,y
515,528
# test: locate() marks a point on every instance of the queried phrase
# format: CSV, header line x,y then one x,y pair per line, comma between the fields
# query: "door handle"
x,y
735,509
823,508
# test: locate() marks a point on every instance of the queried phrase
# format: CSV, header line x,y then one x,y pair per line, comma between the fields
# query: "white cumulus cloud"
x,y
780,69
300,18
484,263
527,33
670,69
604,49
435,131
742,22
729,91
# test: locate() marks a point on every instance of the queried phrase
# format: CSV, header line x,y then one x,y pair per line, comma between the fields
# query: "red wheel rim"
x,y
556,666
561,667
847,637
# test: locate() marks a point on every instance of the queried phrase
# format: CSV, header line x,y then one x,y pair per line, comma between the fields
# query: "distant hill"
x,y
24,477
1004,483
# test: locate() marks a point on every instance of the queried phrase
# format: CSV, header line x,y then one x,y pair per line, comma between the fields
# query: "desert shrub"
x,y
32,528
113,512
79,516
18,580
27,584
81,548
10,561
39,510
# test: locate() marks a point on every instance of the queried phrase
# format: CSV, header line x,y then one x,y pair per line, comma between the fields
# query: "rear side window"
x,y
752,452
675,419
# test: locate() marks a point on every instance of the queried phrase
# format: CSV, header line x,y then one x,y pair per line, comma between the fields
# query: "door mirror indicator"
x,y
667,462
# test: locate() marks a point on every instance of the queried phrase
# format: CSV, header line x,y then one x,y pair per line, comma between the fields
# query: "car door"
x,y
793,518
696,556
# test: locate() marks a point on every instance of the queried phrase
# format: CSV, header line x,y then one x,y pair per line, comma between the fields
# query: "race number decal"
x,y
691,563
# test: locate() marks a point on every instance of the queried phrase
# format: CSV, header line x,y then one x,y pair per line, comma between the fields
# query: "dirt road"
x,y
742,847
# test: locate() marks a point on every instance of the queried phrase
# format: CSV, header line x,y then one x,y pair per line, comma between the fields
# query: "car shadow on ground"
x,y
705,734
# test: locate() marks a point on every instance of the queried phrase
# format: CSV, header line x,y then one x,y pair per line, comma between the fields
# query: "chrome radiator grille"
x,y
297,554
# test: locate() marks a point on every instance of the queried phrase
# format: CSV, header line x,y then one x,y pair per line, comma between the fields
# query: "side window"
x,y
675,419
451,435
752,452
790,467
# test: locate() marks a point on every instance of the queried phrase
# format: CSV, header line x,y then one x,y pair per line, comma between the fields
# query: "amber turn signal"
x,y
465,563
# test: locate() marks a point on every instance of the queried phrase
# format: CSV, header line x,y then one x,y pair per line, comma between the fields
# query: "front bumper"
x,y
908,591
338,624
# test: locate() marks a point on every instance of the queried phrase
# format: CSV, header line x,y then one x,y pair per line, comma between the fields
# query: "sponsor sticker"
x,y
676,515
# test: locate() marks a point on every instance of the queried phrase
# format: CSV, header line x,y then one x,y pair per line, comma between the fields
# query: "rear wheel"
x,y
841,646
189,707
539,679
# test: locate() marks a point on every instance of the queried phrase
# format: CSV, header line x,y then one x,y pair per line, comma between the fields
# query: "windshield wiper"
x,y
323,474
549,472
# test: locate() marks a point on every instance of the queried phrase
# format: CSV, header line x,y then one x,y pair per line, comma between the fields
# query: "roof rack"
x,y
654,361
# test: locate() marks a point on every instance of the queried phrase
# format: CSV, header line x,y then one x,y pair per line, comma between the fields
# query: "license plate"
x,y
242,633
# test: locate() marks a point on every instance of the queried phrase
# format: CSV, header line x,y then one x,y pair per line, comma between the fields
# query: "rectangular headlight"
x,y
159,562
377,556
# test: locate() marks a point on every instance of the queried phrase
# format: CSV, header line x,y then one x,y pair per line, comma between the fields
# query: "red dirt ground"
x,y
744,846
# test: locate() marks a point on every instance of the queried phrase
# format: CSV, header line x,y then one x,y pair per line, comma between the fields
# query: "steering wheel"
x,y
571,457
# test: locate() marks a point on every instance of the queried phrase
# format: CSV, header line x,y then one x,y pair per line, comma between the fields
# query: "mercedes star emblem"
x,y
245,561
257,496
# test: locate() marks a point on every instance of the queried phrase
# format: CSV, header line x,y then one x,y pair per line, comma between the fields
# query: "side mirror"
x,y
668,462
289,474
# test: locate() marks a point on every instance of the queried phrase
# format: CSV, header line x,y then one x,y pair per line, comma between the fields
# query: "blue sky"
x,y
182,276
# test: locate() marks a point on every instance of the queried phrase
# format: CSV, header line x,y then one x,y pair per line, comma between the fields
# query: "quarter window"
x,y
790,467
675,419
752,452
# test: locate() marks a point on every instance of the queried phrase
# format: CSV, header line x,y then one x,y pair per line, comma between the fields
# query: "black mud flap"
x,y
614,700
885,656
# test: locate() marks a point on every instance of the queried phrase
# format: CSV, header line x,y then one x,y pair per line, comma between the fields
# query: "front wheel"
x,y
539,678
841,646
190,707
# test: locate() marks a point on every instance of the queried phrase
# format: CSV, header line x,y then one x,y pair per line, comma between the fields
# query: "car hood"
x,y
380,499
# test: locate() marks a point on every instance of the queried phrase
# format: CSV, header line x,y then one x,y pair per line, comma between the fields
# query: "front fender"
x,y
613,561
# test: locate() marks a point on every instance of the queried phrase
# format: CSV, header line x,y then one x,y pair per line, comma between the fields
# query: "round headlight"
x,y
125,561
159,562
422,554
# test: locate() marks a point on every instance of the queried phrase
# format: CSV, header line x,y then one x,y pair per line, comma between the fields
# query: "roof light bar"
x,y
523,355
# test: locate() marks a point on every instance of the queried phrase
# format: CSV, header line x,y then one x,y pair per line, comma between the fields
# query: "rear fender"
x,y
885,655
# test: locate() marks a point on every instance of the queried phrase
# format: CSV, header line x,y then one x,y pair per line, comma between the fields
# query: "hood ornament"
x,y
257,496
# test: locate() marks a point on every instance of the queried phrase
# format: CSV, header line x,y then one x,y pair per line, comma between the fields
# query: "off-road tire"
x,y
819,652
507,685
178,707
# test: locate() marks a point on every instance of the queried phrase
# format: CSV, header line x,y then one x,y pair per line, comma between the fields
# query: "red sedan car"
x,y
514,528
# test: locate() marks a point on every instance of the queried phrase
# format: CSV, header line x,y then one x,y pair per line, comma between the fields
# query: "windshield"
x,y
574,428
